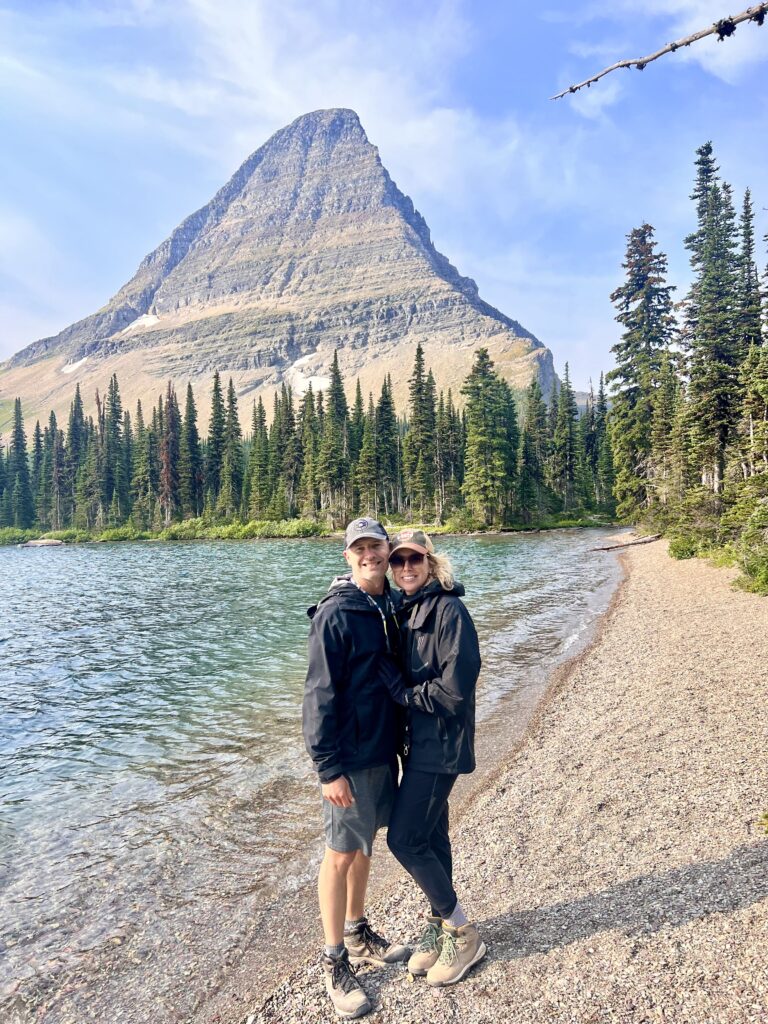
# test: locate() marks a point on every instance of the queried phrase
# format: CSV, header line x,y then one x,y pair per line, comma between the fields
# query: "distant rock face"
x,y
308,248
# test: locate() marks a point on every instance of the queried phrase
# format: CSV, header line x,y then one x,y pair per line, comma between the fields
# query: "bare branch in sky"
x,y
722,29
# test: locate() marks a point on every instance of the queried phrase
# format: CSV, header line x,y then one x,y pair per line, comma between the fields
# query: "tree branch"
x,y
722,29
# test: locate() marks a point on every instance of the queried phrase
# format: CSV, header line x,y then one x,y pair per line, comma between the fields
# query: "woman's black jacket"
x,y
441,659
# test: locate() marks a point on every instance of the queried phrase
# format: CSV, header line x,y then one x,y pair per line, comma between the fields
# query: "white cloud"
x,y
595,100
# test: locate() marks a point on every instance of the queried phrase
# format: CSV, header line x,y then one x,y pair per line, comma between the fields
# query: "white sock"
x,y
457,918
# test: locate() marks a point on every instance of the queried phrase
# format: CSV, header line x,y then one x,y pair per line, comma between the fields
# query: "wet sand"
x,y
614,861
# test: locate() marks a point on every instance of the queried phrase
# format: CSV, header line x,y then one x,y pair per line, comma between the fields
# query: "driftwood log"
x,y
629,543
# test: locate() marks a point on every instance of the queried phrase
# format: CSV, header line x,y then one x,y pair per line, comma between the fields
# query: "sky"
x,y
118,119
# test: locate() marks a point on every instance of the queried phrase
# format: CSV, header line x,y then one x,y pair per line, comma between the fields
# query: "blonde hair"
x,y
441,569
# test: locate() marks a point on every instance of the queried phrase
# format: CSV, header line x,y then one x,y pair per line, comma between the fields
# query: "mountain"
x,y
308,248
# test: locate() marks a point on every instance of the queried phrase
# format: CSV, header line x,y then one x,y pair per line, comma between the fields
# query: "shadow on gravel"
x,y
638,907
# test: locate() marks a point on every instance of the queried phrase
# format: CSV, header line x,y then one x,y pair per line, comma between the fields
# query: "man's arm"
x,y
327,661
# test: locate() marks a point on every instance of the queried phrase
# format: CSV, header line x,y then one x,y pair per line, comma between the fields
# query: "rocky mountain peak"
x,y
308,248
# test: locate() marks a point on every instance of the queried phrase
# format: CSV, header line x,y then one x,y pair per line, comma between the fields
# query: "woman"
x,y
441,663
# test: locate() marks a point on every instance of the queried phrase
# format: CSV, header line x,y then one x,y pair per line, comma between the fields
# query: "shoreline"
x,y
613,858
501,735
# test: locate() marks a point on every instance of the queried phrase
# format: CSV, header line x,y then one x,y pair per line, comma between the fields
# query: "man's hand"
x,y
338,792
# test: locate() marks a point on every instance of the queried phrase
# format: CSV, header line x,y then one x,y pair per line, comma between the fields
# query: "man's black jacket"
x,y
348,719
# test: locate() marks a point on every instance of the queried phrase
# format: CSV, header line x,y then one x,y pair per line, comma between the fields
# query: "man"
x,y
350,733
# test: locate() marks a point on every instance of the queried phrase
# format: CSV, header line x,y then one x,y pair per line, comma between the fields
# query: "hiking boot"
x,y
460,949
365,946
427,948
345,990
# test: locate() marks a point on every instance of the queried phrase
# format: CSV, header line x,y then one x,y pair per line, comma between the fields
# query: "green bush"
x,y
198,529
120,533
12,535
683,545
70,536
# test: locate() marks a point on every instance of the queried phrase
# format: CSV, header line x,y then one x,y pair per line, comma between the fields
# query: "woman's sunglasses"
x,y
398,561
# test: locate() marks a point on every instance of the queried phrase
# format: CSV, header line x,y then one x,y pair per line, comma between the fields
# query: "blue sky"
x,y
119,119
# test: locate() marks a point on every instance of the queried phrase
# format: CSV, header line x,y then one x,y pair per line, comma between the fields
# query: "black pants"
x,y
418,836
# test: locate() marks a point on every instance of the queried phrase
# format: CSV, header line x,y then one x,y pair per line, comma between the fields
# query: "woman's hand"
x,y
338,792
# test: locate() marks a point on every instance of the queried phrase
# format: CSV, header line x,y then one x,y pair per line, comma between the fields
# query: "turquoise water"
x,y
152,772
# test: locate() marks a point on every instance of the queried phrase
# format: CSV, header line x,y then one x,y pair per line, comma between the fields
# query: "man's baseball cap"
x,y
359,529
417,540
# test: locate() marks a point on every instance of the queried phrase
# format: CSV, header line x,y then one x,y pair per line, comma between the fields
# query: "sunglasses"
x,y
398,561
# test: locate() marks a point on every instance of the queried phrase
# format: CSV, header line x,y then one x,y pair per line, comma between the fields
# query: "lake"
x,y
154,789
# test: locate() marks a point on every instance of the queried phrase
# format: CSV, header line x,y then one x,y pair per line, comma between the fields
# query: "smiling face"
x,y
410,570
368,559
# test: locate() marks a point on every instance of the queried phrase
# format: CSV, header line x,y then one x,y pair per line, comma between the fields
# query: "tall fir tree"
x,y
191,478
492,440
169,492
644,307
214,451
18,477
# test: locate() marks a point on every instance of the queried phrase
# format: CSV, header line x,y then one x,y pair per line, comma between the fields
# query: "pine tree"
x,y
387,451
169,493
356,424
216,440
333,457
22,503
190,461
366,470
115,484
259,464
308,498
565,448
231,478
531,495
749,300
714,344
492,441
419,441
661,463
58,476
40,497
644,307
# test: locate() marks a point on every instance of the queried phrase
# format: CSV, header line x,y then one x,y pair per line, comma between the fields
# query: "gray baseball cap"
x,y
364,528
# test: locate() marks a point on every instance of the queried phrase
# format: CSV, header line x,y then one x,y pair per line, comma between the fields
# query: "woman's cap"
x,y
417,540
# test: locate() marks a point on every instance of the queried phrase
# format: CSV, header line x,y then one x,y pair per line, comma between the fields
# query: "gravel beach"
x,y
614,862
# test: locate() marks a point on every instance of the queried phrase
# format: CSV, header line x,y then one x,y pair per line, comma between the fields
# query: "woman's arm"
x,y
458,665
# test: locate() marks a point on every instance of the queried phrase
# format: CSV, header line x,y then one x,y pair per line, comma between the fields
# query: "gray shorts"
x,y
354,828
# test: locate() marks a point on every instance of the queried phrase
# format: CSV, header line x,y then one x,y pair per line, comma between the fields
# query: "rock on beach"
x,y
615,863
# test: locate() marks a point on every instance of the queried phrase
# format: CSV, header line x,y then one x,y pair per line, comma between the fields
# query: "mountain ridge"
x,y
309,247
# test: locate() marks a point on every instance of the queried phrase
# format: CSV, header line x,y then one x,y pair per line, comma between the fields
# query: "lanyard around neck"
x,y
377,606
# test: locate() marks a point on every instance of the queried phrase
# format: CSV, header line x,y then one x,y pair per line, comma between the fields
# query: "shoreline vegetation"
x,y
202,529
615,859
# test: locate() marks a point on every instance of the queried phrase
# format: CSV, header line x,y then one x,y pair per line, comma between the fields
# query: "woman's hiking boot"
x,y
365,946
427,949
346,992
460,949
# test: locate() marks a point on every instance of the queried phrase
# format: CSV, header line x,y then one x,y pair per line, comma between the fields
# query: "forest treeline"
x,y
319,460
683,447
689,405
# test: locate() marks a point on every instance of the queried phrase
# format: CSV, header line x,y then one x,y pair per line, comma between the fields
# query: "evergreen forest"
x,y
675,439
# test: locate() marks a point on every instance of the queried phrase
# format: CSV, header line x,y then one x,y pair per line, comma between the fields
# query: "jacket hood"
x,y
434,587
346,595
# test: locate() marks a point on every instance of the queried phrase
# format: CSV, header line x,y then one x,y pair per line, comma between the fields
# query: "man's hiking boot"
x,y
365,946
345,990
460,949
427,948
